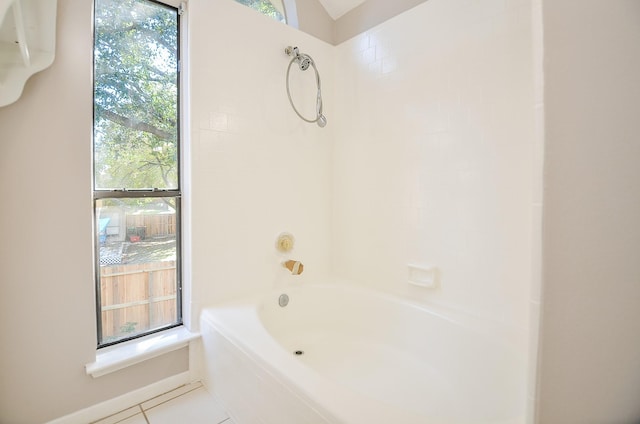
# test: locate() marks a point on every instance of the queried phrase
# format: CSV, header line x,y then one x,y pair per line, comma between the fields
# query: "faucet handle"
x,y
295,267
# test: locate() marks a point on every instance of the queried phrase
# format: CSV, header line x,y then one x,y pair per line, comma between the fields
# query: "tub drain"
x,y
298,352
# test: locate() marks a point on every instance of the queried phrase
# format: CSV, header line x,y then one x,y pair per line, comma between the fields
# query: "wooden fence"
x,y
137,298
154,225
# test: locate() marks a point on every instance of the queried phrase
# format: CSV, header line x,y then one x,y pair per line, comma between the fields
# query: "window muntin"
x,y
136,168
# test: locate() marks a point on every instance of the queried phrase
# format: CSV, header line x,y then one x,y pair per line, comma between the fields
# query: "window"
x,y
136,163
273,9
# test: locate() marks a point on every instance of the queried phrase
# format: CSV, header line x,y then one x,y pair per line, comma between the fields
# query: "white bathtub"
x,y
367,358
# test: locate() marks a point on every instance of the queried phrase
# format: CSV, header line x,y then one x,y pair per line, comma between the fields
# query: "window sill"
x,y
117,357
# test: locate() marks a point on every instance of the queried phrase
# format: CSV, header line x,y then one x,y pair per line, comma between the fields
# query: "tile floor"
x,y
191,404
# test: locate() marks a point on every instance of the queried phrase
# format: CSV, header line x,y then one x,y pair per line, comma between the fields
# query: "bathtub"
x,y
339,354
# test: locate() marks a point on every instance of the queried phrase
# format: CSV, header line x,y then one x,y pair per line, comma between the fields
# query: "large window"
x,y
136,152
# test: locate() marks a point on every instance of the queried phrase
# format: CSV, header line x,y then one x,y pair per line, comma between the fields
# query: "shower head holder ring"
x,y
305,61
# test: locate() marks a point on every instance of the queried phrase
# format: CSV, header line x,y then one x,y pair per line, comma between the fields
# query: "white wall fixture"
x,y
27,43
423,276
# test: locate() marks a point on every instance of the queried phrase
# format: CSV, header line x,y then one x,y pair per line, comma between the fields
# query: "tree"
x,y
135,95
265,7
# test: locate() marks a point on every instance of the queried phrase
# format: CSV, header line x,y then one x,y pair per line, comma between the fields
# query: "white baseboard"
x,y
111,406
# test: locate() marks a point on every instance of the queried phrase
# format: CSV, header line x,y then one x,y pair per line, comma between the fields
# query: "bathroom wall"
x,y
257,169
437,162
590,344
367,15
47,303
426,159
433,156
314,20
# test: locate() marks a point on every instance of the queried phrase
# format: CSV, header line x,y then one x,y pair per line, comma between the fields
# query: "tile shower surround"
x,y
427,158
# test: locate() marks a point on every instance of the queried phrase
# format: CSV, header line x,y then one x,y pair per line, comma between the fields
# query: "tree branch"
x,y
133,124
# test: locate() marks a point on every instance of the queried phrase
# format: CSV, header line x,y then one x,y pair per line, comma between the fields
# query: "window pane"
x,y
138,276
273,9
135,95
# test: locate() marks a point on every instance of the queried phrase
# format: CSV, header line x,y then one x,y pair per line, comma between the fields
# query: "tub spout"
x,y
295,267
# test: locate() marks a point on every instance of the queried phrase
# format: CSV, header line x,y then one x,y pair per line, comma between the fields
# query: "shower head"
x,y
303,60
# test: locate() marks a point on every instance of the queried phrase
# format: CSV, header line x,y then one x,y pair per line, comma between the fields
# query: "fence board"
x,y
137,297
154,225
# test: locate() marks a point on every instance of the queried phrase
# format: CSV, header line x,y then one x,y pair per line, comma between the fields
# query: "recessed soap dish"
x,y
426,276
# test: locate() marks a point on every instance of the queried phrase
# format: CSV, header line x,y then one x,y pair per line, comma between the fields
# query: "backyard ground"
x,y
152,249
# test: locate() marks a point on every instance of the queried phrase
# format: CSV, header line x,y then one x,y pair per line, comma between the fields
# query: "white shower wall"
x,y
433,155
256,168
427,158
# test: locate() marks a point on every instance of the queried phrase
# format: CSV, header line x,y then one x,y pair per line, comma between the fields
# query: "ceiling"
x,y
337,8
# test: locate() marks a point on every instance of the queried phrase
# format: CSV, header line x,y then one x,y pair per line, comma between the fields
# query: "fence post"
x,y
150,282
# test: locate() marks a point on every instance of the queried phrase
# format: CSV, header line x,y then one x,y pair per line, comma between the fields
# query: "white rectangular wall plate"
x,y
423,276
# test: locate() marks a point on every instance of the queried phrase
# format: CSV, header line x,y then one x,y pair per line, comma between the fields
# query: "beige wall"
x,y
314,20
590,338
47,306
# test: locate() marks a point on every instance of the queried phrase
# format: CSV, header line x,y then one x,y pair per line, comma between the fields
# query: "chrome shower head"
x,y
303,60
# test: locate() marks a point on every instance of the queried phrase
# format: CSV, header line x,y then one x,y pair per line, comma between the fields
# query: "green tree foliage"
x,y
265,7
135,95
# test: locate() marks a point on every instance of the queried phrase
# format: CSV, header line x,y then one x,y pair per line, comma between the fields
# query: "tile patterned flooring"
x,y
191,404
